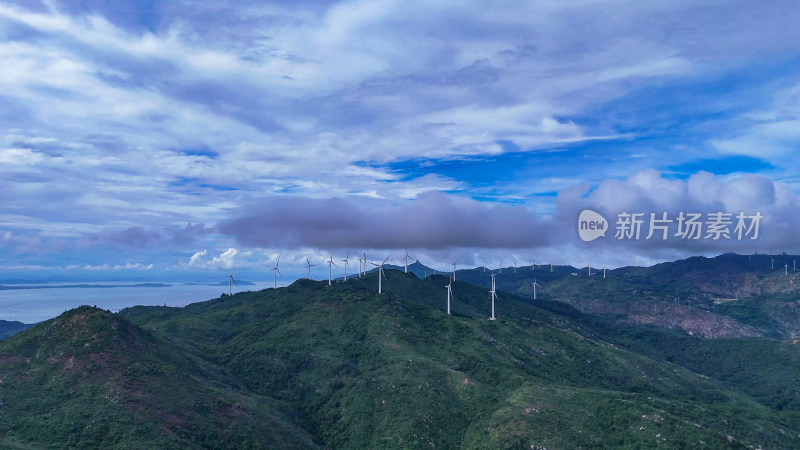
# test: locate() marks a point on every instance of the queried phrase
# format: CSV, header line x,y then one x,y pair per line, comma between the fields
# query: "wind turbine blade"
x,y
387,258
279,272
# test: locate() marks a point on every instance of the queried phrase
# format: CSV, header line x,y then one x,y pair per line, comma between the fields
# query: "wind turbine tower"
x,y
405,261
786,269
449,287
277,271
359,266
493,296
535,284
308,263
380,273
230,284
590,270
346,263
772,263
515,265
455,261
551,267
330,263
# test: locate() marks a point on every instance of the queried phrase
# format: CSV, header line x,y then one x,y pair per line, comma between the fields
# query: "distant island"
x,y
222,283
62,286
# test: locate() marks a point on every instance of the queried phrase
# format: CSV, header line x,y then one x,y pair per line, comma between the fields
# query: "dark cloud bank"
x,y
439,221
434,221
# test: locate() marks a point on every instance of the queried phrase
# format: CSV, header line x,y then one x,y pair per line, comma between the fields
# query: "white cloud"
x,y
197,258
126,266
19,157
772,140
133,266
229,259
648,192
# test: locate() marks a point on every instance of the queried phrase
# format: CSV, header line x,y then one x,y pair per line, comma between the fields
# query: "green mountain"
x,y
91,379
344,367
726,296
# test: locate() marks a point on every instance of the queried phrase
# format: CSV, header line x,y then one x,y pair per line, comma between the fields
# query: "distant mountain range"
x,y
312,366
727,296
222,283
10,328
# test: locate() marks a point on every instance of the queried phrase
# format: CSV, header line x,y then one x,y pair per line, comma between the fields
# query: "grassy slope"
x,y
376,371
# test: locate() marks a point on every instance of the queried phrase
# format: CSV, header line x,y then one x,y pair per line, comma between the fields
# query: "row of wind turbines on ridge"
x,y
362,270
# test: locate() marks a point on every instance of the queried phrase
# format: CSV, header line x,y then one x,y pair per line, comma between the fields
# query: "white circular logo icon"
x,y
591,225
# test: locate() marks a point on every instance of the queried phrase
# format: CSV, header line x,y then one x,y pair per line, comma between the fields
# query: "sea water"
x,y
36,305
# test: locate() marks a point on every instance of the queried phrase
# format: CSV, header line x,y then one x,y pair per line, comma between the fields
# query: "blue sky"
x,y
181,139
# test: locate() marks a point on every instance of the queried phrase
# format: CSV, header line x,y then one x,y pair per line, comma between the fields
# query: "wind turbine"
x,y
330,262
230,283
551,267
277,271
772,263
449,294
454,269
533,267
365,263
405,261
786,269
534,287
346,263
515,265
493,296
484,264
380,273
590,270
309,267
360,262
